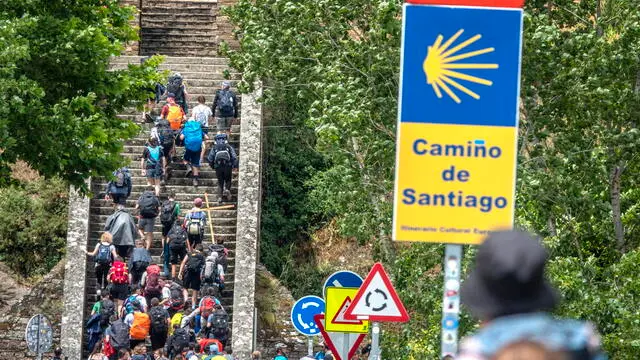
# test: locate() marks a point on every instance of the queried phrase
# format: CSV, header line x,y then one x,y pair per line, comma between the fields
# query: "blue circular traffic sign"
x,y
343,278
302,314
450,322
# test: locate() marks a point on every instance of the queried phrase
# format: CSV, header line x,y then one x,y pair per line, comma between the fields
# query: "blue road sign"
x,y
343,278
450,322
302,314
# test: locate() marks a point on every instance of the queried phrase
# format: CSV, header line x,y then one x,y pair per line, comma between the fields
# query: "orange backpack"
x,y
174,116
140,327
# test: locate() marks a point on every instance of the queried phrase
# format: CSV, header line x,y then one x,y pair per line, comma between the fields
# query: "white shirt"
x,y
202,113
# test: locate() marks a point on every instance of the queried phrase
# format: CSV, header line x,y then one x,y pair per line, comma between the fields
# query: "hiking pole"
x,y
206,199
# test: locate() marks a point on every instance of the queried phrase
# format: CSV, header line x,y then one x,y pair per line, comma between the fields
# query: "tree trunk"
x,y
616,175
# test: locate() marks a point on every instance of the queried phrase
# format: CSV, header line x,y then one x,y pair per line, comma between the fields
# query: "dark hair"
x,y
118,258
199,247
57,351
153,141
122,353
105,295
155,301
201,99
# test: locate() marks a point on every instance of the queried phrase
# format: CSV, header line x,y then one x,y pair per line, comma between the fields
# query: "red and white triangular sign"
x,y
377,300
340,318
343,346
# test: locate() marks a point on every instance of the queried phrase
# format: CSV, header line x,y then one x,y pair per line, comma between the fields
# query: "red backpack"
x,y
119,273
206,306
153,285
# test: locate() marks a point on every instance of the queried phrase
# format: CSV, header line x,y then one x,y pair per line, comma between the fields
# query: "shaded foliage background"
x,y
333,64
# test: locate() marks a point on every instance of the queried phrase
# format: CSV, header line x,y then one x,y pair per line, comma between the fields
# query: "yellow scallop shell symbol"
x,y
441,64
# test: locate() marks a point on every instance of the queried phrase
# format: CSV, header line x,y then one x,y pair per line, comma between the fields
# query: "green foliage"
x,y
337,61
34,225
59,99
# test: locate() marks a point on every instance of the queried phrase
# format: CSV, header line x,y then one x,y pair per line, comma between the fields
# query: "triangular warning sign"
x,y
340,318
377,300
343,345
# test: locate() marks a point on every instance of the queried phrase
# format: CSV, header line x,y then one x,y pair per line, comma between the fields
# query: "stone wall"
x,y
75,275
248,228
44,298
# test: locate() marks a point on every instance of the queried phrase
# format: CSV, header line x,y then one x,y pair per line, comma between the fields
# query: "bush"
x,y
34,226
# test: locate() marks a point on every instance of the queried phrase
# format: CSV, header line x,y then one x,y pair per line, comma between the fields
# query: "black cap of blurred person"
x,y
508,277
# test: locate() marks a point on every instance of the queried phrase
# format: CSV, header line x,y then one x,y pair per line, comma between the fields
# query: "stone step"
x,y
163,49
174,8
173,60
173,32
192,15
131,203
156,251
204,40
180,22
197,68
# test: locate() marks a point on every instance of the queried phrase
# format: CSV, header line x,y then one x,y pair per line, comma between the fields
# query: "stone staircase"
x,y
202,76
179,28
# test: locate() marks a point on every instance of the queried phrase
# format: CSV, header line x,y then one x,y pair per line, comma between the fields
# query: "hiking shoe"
x,y
98,292
195,182
188,173
227,195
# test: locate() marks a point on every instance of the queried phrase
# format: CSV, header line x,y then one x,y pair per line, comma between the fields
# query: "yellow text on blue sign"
x,y
338,300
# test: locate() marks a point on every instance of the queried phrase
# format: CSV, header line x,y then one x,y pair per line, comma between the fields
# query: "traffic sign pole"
x,y
310,346
38,338
451,300
375,342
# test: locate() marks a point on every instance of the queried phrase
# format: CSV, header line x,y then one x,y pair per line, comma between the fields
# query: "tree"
x,y
59,99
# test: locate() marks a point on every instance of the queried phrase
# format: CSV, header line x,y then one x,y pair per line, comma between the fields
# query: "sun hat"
x,y
508,277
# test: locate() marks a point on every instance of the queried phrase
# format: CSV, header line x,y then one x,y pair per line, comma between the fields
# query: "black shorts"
x,y
195,239
120,291
166,229
192,281
177,254
123,250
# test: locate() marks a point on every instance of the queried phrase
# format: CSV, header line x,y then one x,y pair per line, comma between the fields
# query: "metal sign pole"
x,y
375,341
310,346
451,301
38,352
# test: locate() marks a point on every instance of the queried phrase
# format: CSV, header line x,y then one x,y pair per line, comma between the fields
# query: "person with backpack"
x,y
202,114
218,324
190,270
169,213
178,245
213,272
152,283
123,231
177,87
135,300
173,113
223,159
106,308
149,207
118,335
166,138
280,354
160,322
507,290
225,106
153,162
193,138
177,342
138,263
119,279
214,353
103,254
139,324
119,188
195,222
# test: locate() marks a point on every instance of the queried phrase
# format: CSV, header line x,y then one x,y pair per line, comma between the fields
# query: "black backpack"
x,y
166,134
148,205
107,309
225,103
220,321
168,214
195,263
158,319
180,340
120,338
174,86
104,255
178,237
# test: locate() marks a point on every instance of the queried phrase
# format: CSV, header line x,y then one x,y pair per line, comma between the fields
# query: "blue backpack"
x,y
104,255
192,135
